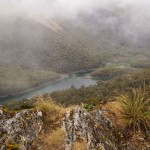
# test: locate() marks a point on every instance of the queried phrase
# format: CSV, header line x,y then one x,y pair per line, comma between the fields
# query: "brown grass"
x,y
80,145
55,140
51,111
114,113
52,136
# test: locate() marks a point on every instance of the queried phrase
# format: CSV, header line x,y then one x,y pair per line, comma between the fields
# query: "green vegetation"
x,y
128,110
135,109
12,146
90,96
88,107
103,91
15,79
75,47
109,72
141,64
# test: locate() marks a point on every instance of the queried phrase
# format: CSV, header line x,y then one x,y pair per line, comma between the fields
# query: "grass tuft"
x,y
135,109
51,111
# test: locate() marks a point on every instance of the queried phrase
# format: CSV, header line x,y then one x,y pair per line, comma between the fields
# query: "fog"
x,y
68,35
70,8
130,19
136,13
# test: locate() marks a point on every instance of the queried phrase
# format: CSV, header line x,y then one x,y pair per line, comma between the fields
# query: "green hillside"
x,y
65,45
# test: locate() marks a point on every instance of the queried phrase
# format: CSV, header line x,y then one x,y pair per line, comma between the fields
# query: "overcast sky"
x,y
69,8
136,12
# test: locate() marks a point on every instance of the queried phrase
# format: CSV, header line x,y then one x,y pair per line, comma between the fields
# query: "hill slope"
x,y
65,45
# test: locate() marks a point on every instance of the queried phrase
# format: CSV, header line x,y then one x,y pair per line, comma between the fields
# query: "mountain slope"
x,y
65,45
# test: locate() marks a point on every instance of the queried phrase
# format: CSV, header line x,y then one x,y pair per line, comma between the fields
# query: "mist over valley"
x,y
62,37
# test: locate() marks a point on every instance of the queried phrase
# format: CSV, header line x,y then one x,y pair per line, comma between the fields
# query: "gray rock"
x,y
94,129
20,129
1,112
3,147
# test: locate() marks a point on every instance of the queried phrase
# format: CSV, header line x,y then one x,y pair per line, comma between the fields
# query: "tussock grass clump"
x,y
51,111
135,109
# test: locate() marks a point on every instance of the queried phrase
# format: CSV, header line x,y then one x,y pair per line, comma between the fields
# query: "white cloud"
x,y
136,10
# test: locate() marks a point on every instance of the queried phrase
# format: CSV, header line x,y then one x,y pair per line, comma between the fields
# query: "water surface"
x,y
77,80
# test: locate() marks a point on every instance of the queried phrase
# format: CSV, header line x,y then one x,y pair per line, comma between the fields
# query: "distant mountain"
x,y
44,44
65,45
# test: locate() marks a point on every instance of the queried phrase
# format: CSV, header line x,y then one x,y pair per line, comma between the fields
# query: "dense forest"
x,y
103,91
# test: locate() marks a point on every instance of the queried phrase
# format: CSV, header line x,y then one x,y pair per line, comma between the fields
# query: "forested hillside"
x,y
66,45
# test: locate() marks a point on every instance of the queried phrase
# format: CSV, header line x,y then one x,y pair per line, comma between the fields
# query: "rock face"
x,y
18,129
95,129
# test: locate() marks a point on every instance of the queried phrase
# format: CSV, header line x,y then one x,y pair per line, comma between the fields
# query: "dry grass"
x,y
55,140
114,113
80,145
135,109
51,111
53,137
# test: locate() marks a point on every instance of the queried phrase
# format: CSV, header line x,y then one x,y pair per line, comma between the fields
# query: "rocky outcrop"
x,y
94,128
18,129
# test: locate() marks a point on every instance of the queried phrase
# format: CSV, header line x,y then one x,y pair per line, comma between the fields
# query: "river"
x,y
76,79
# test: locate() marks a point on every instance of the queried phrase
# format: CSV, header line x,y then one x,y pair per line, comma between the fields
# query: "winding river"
x,y
77,79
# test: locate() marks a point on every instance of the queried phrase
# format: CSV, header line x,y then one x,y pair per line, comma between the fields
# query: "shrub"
x,y
135,109
12,146
141,64
90,103
108,72
88,107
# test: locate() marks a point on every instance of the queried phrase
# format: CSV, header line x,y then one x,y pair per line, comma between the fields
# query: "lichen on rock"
x,y
93,128
18,131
